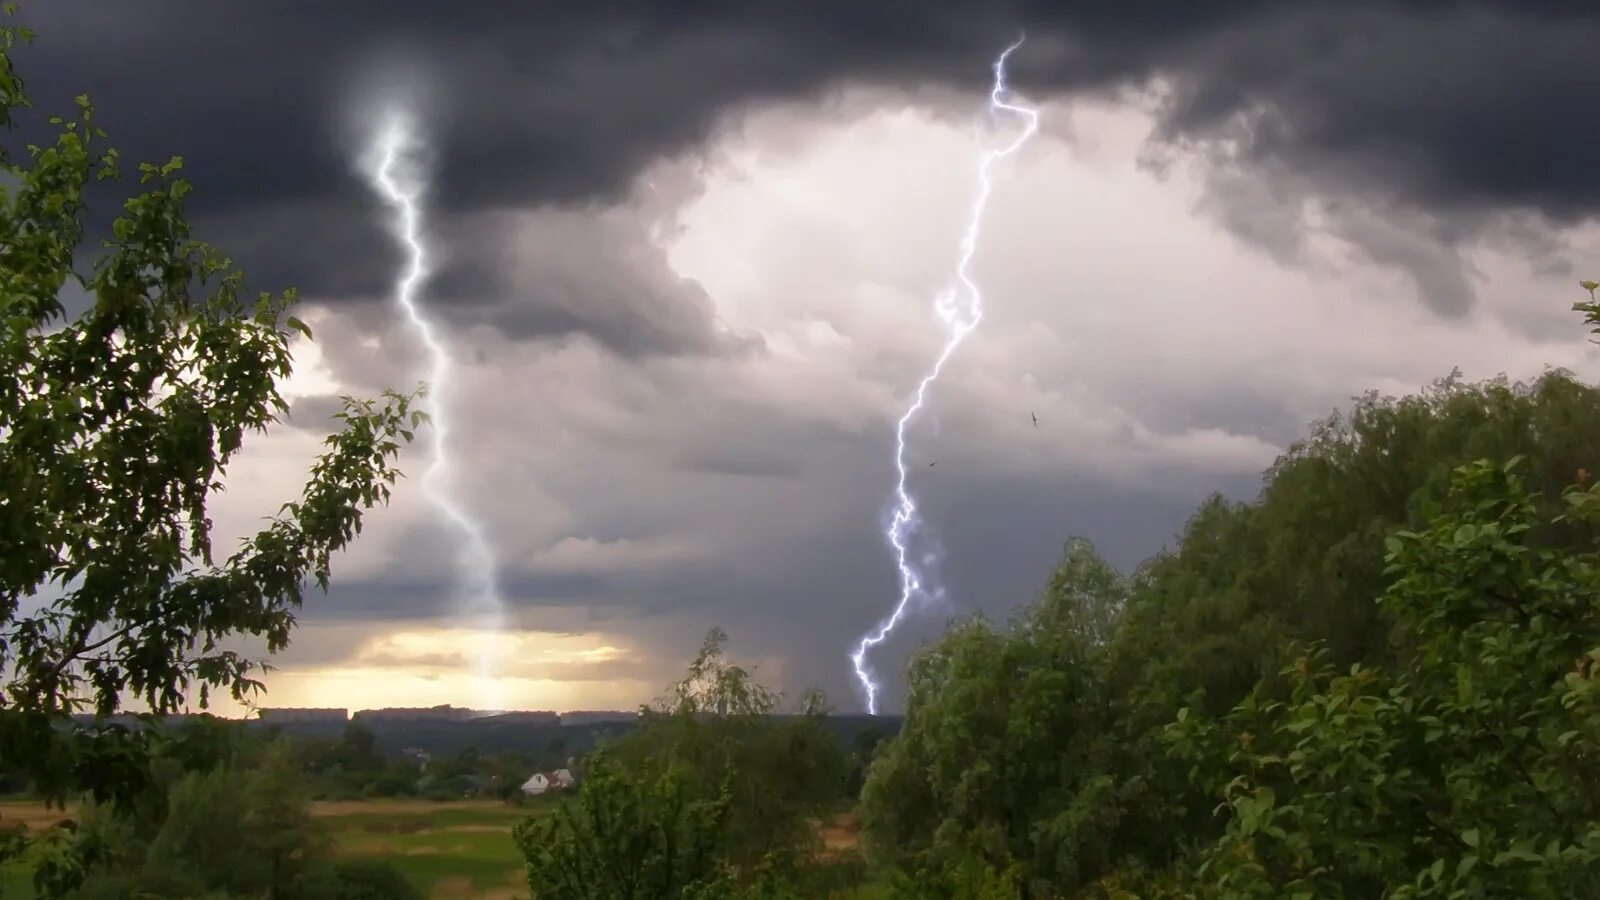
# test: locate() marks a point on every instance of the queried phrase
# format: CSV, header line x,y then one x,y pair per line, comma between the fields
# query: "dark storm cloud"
x,y
1419,126
1456,107
1461,107
594,275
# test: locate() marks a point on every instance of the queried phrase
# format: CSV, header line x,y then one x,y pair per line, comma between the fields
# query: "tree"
x,y
1208,621
1305,559
358,748
1003,756
278,819
718,725
372,880
1591,307
242,828
1203,626
712,797
1469,771
627,837
116,428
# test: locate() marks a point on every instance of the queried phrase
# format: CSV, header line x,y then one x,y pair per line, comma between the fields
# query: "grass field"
x,y
452,850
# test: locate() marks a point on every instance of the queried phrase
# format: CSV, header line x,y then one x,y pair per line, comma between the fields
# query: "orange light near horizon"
x,y
427,666
441,647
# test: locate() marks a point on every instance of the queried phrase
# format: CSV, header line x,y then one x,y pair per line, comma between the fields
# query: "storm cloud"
x,y
1458,109
686,250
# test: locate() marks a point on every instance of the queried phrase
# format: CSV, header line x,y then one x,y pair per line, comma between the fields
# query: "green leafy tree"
x,y
241,829
718,726
1469,771
626,837
1200,627
1208,621
357,749
1003,753
1304,560
713,797
117,425
372,880
963,876
1591,307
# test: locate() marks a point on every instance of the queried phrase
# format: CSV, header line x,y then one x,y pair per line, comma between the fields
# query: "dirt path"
x,y
34,815
841,835
396,807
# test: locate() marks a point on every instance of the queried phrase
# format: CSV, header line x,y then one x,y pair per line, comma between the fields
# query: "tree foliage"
x,y
1468,772
1004,748
626,837
718,727
1397,607
1591,307
240,827
117,427
712,797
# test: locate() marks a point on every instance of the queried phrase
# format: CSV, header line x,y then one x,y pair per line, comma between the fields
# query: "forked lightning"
x,y
402,189
960,309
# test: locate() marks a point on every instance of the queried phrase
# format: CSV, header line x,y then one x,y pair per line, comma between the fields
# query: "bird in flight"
x,y
1035,419
932,464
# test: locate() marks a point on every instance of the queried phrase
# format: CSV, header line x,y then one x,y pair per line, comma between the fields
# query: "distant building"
x,y
303,716
595,717
524,717
542,782
441,713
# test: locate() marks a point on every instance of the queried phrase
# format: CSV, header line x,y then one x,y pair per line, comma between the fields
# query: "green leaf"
x,y
116,426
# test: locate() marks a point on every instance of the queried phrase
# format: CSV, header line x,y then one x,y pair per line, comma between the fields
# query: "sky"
x,y
687,259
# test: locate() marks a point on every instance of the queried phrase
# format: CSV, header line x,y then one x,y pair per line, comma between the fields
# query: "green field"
x,y
452,850
15,884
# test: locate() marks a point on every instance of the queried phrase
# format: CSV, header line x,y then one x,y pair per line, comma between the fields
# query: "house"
x,y
540,782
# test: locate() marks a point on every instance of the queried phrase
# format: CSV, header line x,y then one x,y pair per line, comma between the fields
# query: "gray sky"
x,y
689,255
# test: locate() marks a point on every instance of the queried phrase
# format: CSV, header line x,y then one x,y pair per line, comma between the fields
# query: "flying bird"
x,y
1035,419
932,464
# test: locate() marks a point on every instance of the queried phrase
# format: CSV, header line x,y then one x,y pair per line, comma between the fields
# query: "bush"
x,y
625,836
372,880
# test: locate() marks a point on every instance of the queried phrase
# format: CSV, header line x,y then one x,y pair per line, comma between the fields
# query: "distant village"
x,y
442,713
436,751
538,783
445,751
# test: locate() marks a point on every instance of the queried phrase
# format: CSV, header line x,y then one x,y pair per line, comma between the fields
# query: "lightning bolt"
x,y
960,309
402,190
